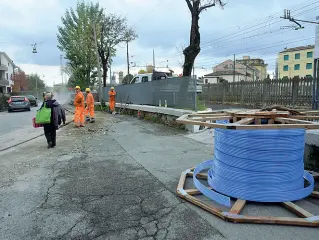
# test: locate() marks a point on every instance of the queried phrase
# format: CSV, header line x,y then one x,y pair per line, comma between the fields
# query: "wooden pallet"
x,y
254,119
233,215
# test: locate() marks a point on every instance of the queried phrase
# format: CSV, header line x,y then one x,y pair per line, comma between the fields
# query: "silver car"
x,y
18,103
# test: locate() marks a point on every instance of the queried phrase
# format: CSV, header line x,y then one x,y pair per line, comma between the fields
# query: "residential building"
x,y
6,71
226,75
296,62
257,63
226,71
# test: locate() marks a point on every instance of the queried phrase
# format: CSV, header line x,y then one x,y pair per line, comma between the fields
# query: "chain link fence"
x,y
179,92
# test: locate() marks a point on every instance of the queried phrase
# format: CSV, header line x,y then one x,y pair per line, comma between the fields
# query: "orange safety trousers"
x,y
79,116
89,111
112,105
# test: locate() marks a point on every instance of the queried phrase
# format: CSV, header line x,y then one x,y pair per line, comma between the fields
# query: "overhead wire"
x,y
222,39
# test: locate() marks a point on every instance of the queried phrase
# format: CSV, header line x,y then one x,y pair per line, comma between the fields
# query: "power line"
x,y
234,36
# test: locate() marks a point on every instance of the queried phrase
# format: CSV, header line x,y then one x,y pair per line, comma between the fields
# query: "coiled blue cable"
x,y
256,165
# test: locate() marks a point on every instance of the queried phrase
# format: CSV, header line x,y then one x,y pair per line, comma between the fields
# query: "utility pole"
x,y
128,62
153,59
110,61
98,64
234,73
61,62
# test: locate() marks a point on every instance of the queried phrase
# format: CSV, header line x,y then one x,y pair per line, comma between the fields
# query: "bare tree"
x,y
180,48
196,7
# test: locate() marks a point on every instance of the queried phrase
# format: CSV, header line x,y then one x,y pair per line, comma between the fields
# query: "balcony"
x,y
3,68
4,82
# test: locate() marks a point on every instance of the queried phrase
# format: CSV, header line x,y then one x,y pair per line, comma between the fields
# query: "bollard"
x,y
159,103
165,103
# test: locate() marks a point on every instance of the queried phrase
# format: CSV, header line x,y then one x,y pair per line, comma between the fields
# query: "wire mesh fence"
x,y
179,92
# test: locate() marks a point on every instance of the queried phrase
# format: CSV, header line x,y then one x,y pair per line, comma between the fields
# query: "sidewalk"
x,y
115,179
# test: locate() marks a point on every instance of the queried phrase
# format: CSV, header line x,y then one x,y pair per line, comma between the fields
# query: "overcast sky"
x,y
243,27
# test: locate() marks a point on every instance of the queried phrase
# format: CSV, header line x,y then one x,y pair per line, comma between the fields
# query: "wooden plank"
x,y
181,183
215,118
245,121
209,208
194,191
272,220
297,210
294,121
205,124
238,206
210,114
304,117
314,174
199,175
315,194
272,126
311,112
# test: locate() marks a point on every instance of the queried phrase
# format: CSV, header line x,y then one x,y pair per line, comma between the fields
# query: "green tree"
x,y
75,39
127,79
111,30
35,83
196,7
142,71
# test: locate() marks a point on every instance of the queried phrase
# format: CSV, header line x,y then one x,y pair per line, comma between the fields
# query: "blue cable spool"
x,y
256,165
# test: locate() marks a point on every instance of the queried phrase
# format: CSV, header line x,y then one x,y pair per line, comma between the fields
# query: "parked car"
x,y
33,100
18,103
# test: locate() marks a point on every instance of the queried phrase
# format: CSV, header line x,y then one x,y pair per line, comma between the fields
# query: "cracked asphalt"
x,y
89,187
116,179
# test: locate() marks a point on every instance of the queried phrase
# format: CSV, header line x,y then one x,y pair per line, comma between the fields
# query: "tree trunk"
x,y
193,49
104,66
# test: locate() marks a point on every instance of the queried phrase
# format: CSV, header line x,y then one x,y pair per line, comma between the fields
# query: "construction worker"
x,y
112,95
79,108
89,110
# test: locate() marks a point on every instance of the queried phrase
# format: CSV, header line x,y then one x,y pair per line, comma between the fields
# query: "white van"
x,y
147,77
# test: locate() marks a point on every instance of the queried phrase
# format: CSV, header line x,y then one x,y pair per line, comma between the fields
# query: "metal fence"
x,y
179,92
287,92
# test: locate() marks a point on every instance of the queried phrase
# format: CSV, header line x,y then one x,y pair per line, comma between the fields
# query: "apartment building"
x,y
296,62
258,63
226,71
6,72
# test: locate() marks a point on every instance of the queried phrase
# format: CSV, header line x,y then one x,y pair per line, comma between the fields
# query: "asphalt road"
x,y
17,126
11,122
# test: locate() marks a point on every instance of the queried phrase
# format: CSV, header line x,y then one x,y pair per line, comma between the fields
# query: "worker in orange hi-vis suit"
x,y
112,95
79,108
89,110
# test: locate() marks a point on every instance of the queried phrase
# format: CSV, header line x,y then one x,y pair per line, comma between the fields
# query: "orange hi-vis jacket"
x,y
79,100
89,99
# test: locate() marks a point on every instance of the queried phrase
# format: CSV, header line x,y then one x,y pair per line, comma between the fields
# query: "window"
x,y
308,76
134,80
8,64
145,79
286,68
309,54
206,81
297,67
7,75
309,66
286,57
297,56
